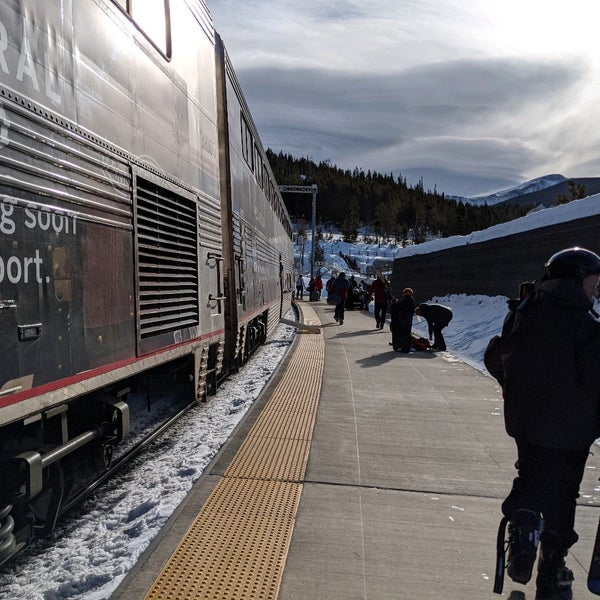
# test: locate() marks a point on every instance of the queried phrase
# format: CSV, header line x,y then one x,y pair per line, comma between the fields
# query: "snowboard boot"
x,y
554,579
524,529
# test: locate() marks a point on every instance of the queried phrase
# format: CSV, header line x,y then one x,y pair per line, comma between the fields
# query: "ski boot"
x,y
554,579
524,529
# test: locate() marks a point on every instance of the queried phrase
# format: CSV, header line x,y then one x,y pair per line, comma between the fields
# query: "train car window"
x,y
151,16
152,19
244,129
247,143
256,160
259,170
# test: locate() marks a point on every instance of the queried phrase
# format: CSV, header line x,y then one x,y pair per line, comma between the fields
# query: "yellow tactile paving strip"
x,y
237,546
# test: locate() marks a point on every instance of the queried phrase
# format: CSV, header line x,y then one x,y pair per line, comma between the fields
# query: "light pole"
x,y
307,189
314,222
300,240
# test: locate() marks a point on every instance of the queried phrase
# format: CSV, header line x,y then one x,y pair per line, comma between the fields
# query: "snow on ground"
x,y
476,319
91,551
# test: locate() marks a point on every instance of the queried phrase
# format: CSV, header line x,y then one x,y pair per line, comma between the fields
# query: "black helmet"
x,y
573,263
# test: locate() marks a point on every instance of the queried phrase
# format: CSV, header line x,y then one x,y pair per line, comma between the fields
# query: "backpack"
x,y
420,343
492,356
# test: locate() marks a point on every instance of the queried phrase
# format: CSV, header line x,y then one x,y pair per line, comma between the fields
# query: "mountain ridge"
x,y
535,192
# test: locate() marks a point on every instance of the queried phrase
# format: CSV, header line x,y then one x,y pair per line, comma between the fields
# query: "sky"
x,y
474,96
92,551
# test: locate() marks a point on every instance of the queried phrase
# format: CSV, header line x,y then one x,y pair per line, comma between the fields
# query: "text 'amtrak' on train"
x,y
143,238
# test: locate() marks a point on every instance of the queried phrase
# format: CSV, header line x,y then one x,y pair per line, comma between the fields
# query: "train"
x,y
142,234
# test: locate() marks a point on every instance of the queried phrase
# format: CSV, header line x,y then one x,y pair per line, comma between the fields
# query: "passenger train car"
x,y
141,233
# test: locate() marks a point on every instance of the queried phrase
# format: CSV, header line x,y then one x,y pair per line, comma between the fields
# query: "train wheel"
x,y
103,456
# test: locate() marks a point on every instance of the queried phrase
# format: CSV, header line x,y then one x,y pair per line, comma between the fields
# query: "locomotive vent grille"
x,y
166,226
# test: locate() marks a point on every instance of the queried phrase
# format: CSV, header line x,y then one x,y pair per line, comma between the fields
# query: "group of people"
x,y
546,362
314,288
402,310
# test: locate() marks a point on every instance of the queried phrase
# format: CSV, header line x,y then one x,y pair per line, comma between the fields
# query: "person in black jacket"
x,y
437,317
547,362
341,288
401,313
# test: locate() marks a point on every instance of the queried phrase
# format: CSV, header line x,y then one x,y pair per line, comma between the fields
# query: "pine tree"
x,y
346,199
351,221
576,192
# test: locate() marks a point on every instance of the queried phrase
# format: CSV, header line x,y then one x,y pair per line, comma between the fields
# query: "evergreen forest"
x,y
386,206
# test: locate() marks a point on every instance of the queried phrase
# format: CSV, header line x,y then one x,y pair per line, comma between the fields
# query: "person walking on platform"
x,y
546,360
401,313
329,284
318,287
340,287
299,287
380,290
437,317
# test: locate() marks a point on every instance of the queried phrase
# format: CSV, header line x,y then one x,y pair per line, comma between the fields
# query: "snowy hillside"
x,y
533,185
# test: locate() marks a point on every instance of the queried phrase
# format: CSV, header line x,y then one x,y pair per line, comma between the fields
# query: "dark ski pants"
x,y
380,310
439,343
548,483
339,310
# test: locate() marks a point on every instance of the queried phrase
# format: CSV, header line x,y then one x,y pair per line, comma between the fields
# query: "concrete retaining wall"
x,y
494,267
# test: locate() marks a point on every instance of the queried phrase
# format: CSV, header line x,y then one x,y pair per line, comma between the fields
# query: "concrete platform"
x,y
408,466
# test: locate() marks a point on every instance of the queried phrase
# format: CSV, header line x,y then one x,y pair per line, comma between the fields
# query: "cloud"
x,y
468,119
472,92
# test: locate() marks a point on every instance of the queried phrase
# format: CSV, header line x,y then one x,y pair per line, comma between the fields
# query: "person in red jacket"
x,y
381,291
318,286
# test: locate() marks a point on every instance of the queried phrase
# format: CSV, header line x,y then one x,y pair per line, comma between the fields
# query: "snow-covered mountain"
x,y
533,185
